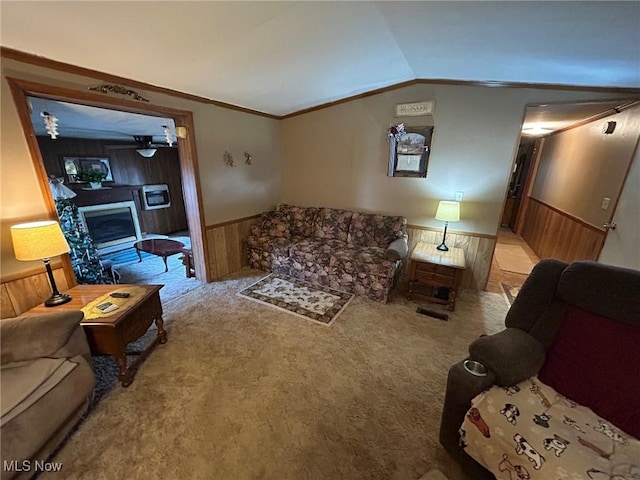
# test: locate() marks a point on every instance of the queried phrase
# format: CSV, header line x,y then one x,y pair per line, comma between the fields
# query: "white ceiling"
x,y
281,57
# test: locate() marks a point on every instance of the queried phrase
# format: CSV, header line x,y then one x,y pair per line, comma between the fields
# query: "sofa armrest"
x,y
512,355
47,335
397,250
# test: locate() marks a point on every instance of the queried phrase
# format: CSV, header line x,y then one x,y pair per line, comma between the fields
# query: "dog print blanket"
x,y
530,432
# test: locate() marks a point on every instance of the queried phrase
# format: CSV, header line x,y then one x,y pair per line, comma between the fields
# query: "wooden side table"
x,y
430,268
110,335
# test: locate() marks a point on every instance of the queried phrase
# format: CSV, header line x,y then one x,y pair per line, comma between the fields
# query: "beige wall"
x,y
338,156
581,166
227,192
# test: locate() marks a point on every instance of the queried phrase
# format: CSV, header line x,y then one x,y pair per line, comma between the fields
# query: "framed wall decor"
x,y
74,164
409,154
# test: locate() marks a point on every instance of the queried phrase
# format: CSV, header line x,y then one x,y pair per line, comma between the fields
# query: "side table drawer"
x,y
435,278
439,269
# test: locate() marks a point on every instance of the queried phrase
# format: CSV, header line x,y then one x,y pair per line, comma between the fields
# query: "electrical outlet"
x,y
605,203
459,196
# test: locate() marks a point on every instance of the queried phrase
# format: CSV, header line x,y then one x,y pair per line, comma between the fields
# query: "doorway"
x,y
21,89
562,179
138,199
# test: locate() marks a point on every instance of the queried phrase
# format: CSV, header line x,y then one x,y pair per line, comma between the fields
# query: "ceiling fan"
x,y
144,146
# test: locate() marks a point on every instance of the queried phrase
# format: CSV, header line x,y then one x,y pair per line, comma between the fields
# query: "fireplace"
x,y
112,224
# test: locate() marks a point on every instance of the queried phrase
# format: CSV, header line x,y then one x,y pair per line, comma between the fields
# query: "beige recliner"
x,y
46,387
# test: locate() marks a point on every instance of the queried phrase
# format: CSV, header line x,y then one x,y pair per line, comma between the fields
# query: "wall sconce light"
x,y
228,159
247,158
447,212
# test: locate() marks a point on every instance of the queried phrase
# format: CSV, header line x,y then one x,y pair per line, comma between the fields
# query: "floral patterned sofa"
x,y
349,251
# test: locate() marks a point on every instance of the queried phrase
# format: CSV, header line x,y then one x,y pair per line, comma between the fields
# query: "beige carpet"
x,y
243,391
513,258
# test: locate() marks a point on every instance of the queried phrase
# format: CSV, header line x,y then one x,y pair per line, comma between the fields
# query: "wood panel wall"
x,y
227,246
552,233
127,168
20,293
478,252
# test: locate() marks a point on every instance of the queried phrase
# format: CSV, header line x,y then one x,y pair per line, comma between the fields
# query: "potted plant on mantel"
x,y
91,175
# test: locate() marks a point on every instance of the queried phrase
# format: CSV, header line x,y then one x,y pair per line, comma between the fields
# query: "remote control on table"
x,y
120,295
107,307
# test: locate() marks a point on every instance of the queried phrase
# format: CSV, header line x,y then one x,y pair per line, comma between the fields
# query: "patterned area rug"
x,y
313,302
511,291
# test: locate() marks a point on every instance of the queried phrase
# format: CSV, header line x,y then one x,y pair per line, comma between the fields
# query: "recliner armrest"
x,y
397,250
512,355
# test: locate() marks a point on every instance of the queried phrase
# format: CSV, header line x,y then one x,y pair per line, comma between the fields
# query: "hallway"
x,y
504,274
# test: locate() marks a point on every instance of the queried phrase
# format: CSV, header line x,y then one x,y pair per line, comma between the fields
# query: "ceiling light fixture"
x,y
168,135
145,149
536,131
147,152
51,124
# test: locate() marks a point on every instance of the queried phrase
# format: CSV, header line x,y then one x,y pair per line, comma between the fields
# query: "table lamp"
x,y
41,241
447,212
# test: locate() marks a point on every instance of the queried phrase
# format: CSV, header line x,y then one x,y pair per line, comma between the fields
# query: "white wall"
x,y
338,156
622,246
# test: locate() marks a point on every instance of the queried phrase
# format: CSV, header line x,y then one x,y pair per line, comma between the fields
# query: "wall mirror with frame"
x,y
72,165
409,155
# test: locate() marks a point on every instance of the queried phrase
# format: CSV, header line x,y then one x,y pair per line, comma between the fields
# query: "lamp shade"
x,y
448,211
38,240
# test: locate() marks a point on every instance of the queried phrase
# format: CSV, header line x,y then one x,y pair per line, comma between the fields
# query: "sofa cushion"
x,y
594,362
300,219
30,337
24,383
276,245
366,260
271,224
332,223
531,431
310,250
369,230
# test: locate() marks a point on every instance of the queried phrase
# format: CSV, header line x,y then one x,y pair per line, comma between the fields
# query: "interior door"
x,y
622,244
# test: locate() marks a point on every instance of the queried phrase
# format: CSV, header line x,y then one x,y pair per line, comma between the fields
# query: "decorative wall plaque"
x,y
414,109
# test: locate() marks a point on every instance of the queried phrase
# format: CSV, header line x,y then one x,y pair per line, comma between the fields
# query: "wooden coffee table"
x,y
162,247
111,334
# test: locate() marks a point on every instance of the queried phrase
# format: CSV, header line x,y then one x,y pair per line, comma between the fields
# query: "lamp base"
x,y
442,247
57,299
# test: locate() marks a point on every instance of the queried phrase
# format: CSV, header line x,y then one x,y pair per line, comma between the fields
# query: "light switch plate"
x,y
459,196
605,203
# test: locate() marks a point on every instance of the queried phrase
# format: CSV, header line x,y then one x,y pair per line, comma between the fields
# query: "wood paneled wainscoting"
x,y
226,242
478,251
552,233
23,291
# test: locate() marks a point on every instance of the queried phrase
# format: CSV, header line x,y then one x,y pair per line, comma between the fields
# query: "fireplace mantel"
x,y
109,194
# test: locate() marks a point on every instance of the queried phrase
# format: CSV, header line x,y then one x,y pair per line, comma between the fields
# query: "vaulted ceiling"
x,y
282,57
